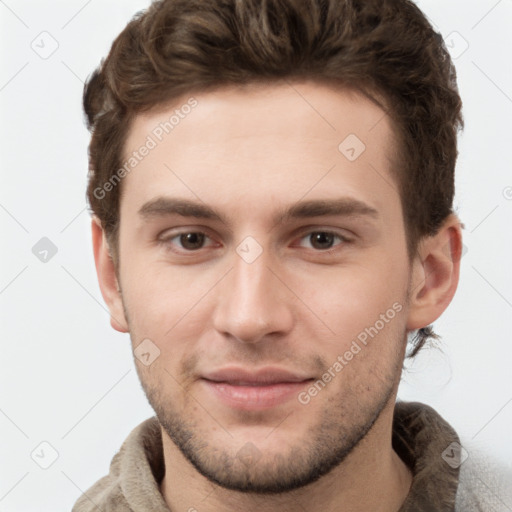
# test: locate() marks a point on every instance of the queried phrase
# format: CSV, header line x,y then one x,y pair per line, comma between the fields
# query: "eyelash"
x,y
167,241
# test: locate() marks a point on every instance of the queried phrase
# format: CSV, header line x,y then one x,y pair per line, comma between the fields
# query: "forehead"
x,y
255,110
273,140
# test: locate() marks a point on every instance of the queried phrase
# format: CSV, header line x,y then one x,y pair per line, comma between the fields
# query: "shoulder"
x,y
133,476
484,484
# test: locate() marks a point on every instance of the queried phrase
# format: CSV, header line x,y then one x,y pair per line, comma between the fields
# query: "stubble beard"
x,y
324,446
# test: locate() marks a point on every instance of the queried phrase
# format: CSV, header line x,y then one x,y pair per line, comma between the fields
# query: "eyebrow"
x,y
345,206
163,206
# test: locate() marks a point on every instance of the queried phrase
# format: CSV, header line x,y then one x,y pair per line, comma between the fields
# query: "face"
x,y
263,255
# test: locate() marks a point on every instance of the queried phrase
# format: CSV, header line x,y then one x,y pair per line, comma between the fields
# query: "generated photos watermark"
x,y
361,341
152,140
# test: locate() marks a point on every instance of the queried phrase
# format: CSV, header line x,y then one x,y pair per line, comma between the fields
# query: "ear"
x,y
107,278
435,274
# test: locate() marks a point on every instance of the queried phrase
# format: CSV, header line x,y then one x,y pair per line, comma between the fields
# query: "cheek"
x,y
162,301
348,301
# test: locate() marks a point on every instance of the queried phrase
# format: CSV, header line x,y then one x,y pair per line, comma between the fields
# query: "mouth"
x,y
265,388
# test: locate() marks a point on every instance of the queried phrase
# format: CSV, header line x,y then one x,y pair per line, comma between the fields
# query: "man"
x,y
271,185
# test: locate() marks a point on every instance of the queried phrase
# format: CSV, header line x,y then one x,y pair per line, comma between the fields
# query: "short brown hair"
x,y
384,48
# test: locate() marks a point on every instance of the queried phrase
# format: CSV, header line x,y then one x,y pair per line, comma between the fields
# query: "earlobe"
x,y
435,274
107,278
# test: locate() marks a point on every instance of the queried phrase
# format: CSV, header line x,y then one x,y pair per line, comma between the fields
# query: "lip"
x,y
262,376
254,390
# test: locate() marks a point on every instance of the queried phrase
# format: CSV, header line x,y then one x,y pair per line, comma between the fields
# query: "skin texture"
x,y
250,155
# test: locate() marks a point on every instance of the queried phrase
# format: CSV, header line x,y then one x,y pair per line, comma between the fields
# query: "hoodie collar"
x,y
430,447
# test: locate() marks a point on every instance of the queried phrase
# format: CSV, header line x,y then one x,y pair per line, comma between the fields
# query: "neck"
x,y
372,477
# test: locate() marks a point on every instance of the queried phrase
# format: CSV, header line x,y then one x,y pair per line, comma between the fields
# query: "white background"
x,y
68,379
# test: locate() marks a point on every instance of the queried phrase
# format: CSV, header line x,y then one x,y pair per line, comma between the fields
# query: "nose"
x,y
253,304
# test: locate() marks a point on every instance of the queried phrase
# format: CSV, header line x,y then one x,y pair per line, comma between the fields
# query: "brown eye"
x,y
322,240
192,241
